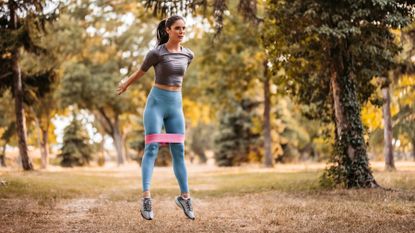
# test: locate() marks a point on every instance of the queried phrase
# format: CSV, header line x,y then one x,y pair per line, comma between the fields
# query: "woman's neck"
x,y
172,46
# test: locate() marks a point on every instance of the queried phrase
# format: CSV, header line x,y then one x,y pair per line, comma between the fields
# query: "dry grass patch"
x,y
226,200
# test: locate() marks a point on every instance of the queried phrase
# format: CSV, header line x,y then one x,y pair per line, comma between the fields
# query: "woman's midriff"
x,y
168,87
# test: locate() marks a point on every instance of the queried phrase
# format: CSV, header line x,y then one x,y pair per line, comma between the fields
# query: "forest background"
x,y
69,72
274,86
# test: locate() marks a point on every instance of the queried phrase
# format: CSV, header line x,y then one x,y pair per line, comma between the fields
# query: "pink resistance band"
x,y
164,138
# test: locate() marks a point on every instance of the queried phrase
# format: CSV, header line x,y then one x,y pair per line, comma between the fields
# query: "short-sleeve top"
x,y
169,66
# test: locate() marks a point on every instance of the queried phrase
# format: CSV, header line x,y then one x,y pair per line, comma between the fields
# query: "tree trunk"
x,y
413,148
339,114
39,133
3,156
268,161
125,146
44,148
387,122
18,97
350,162
42,141
101,157
112,129
118,144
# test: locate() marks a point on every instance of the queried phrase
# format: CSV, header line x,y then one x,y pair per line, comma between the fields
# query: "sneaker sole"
x,y
182,207
145,217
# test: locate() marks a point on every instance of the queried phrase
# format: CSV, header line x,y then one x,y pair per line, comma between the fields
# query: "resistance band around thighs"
x,y
164,138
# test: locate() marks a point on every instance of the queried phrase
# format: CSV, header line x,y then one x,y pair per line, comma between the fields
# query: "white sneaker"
x,y
146,208
186,205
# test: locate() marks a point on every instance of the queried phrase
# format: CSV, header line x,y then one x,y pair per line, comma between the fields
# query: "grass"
x,y
76,184
124,184
49,185
287,198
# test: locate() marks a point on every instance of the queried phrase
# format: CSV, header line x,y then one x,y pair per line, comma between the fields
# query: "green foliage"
x,y
22,26
307,34
75,150
137,143
164,157
7,122
404,126
30,27
103,54
404,91
299,136
235,139
200,140
229,79
319,43
232,66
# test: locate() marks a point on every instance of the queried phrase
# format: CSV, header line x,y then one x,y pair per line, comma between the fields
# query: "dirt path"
x,y
266,212
117,210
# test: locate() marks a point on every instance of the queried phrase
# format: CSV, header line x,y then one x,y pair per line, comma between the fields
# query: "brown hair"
x,y
162,36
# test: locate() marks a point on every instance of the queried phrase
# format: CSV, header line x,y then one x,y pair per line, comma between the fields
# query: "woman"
x,y
164,107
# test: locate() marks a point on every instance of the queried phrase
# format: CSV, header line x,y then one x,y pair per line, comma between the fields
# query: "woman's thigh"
x,y
153,117
175,122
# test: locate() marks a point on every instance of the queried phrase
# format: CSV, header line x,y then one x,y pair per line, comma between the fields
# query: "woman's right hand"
x,y
122,86
125,82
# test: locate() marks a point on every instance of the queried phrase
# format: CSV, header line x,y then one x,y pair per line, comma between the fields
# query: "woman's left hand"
x,y
122,86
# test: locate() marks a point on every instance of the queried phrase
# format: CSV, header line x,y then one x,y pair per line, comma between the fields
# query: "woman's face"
x,y
176,31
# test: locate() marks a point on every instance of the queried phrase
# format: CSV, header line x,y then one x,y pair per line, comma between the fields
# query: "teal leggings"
x,y
164,108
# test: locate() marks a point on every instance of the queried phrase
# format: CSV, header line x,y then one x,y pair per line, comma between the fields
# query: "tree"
x,y
75,150
247,9
235,139
404,66
240,68
300,137
336,48
7,125
102,58
387,125
50,64
269,161
43,111
399,87
201,140
20,21
403,121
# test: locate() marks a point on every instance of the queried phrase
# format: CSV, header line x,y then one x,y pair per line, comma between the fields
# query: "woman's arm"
x,y
150,60
124,83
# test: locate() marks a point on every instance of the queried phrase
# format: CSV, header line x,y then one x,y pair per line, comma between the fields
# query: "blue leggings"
x,y
164,107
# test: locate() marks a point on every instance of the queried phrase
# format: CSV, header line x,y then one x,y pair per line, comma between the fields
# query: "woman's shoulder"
x,y
157,50
154,52
189,52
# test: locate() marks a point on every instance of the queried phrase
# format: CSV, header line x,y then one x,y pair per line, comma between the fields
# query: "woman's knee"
x,y
151,149
177,149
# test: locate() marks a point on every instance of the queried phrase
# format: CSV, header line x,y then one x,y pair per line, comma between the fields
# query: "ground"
x,y
286,198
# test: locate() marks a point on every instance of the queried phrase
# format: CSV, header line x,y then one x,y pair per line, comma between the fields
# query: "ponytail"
x,y
162,36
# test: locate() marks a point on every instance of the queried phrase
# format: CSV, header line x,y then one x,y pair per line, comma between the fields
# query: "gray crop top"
x,y
169,66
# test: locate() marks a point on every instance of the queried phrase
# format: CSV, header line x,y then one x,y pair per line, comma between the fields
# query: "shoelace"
x,y
147,204
188,205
